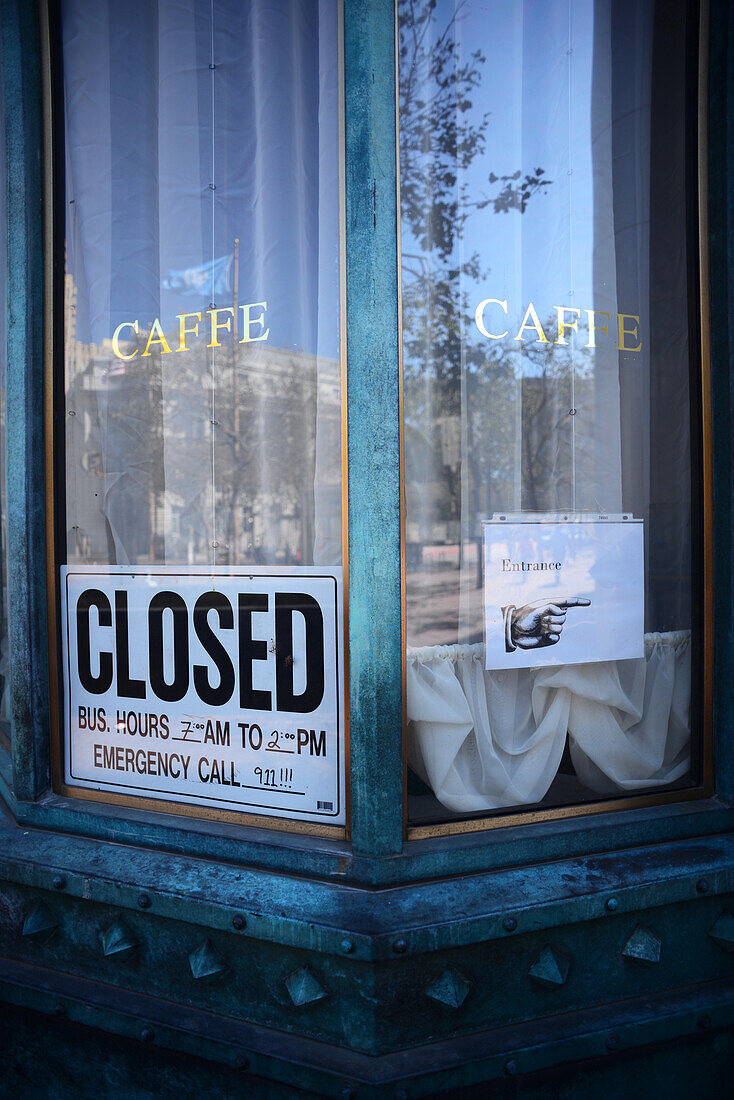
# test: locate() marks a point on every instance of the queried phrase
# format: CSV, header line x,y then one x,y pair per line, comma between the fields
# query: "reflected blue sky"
x,y
537,84
191,123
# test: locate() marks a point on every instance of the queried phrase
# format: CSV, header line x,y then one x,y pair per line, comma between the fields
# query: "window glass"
x,y
548,285
202,389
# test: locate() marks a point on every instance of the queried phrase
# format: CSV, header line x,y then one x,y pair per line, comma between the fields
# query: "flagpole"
x,y
235,394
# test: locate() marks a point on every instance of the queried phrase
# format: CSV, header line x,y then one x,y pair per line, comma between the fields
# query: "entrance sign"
x,y
564,590
219,686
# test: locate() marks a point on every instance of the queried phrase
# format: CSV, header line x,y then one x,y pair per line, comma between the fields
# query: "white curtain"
x,y
202,138
484,740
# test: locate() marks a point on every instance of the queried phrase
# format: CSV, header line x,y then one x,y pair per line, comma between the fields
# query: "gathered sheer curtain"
x,y
485,740
594,93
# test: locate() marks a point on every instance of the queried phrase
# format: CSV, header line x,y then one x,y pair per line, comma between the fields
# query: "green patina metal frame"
x,y
378,852
381,916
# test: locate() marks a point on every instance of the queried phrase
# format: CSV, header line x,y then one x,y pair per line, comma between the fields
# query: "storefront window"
x,y
202,594
551,381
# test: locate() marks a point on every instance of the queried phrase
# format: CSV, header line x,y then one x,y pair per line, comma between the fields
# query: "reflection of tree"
x,y
114,452
551,385
247,415
441,134
439,140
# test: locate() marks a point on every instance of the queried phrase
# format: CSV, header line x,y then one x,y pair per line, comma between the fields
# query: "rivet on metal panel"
x,y
347,946
723,931
612,1042
117,939
59,882
702,886
509,924
400,946
643,947
612,905
206,962
241,1062
144,901
147,1034
238,922
450,989
401,1094
512,1067
704,1022
304,987
40,924
550,967
59,1009
348,1093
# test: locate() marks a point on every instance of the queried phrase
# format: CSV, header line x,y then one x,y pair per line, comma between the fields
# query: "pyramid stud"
x,y
551,967
304,987
723,931
118,939
643,947
449,989
39,924
206,962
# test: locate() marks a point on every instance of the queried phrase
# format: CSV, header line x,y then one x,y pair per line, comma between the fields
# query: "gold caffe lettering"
x,y
568,319
220,320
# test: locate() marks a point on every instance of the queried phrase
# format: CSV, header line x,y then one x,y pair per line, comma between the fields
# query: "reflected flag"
x,y
209,278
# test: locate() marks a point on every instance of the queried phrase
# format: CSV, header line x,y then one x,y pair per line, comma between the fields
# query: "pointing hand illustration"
x,y
539,624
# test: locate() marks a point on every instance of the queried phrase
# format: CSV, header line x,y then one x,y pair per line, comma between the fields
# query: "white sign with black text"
x,y
563,591
220,687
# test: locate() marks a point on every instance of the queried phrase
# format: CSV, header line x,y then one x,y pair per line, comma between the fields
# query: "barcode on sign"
x,y
324,805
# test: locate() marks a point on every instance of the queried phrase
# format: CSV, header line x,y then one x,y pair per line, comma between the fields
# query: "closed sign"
x,y
216,687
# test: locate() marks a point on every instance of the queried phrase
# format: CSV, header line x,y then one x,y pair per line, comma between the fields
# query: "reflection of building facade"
x,y
238,446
